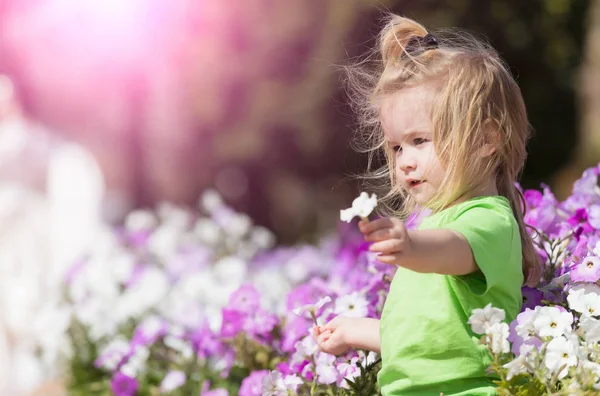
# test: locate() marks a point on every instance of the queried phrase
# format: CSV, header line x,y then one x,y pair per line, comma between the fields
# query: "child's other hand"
x,y
390,236
332,338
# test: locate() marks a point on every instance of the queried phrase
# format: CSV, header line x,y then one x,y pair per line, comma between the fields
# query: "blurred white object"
x,y
50,206
362,206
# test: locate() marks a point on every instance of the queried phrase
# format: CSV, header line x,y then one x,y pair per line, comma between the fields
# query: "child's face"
x,y
406,121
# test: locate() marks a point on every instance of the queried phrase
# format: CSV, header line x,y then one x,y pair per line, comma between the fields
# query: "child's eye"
x,y
418,141
397,148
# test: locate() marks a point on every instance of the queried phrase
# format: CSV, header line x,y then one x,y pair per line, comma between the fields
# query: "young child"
x,y
452,124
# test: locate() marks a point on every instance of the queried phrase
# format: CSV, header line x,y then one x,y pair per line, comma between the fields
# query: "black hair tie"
x,y
417,44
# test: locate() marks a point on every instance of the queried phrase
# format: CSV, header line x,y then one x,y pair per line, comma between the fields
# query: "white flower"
x,y
136,363
594,220
526,329
164,241
497,337
274,385
584,300
352,305
173,216
123,266
144,294
140,220
112,354
591,328
238,225
367,359
560,353
210,200
349,369
207,231
262,237
292,382
522,363
304,349
550,321
362,206
230,270
325,369
481,319
151,326
312,308
597,249
273,286
179,345
173,380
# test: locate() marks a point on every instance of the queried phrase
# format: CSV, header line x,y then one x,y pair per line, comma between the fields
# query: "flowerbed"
x,y
200,302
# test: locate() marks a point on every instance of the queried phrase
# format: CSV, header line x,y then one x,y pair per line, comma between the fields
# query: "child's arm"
x,y
440,251
343,333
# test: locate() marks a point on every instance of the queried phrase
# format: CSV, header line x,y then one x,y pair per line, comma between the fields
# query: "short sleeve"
x,y
490,232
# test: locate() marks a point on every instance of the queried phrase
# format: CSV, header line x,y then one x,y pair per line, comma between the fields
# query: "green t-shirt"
x,y
427,347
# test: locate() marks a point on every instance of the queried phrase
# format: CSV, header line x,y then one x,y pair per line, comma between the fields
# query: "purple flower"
x,y
588,270
252,385
587,184
541,217
531,297
123,385
533,198
294,330
594,216
205,342
232,324
580,219
246,299
261,323
284,368
301,295
521,330
138,239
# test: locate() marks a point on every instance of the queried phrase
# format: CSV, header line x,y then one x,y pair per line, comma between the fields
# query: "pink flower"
x,y
252,385
588,270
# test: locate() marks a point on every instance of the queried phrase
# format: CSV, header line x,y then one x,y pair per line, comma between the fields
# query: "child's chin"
x,y
421,199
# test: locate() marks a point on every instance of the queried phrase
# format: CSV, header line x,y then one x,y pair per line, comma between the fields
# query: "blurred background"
x,y
159,100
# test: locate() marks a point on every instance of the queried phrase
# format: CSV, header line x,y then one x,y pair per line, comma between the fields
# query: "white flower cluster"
x,y
549,342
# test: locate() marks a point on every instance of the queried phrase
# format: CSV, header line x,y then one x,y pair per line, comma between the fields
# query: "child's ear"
x,y
492,137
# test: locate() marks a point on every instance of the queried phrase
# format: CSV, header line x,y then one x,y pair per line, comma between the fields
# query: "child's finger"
x,y
380,235
388,246
316,331
386,259
367,228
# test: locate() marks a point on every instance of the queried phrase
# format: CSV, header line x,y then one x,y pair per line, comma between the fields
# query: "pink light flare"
x,y
109,36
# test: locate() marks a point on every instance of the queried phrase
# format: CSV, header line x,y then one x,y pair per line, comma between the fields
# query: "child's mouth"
x,y
415,183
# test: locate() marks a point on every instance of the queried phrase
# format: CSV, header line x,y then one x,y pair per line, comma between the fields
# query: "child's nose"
x,y
407,163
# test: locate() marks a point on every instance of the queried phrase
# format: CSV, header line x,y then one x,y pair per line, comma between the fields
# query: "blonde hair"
x,y
478,103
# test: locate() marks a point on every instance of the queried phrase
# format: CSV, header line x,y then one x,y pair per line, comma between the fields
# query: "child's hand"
x,y
332,338
390,237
